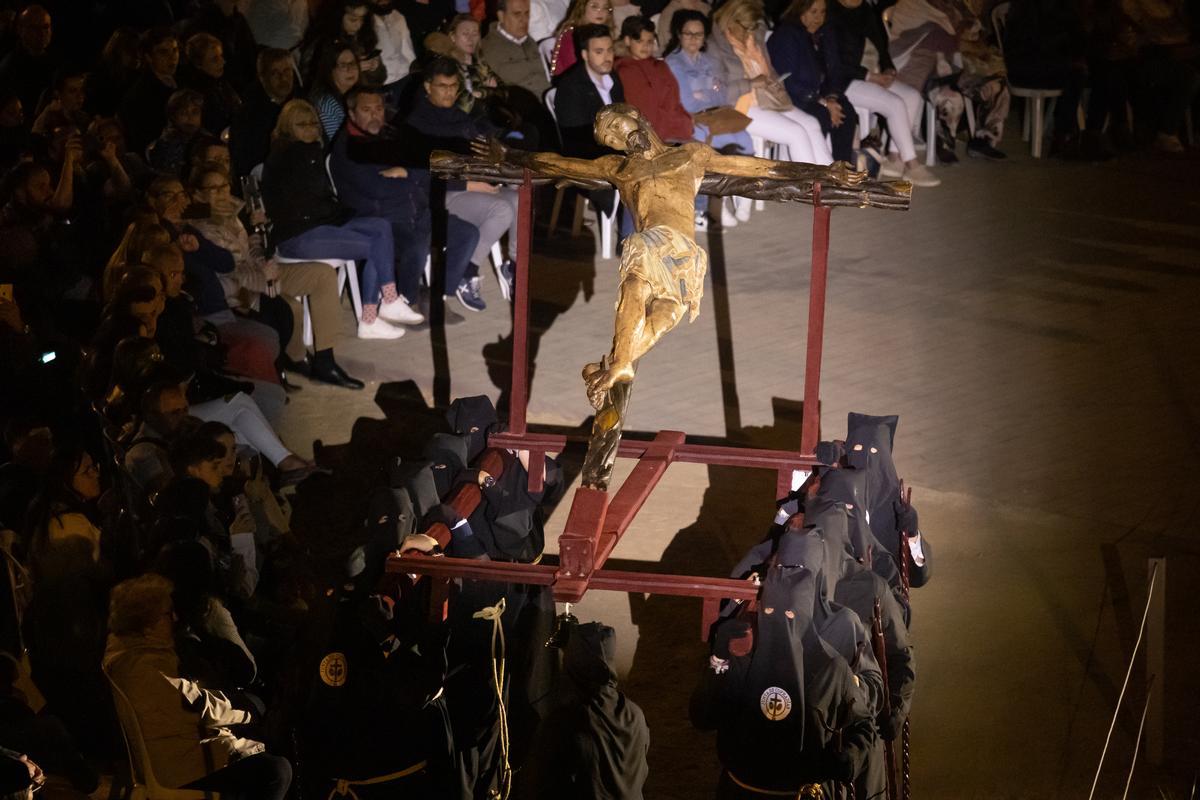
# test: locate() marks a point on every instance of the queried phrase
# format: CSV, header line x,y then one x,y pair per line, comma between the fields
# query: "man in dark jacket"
x,y
143,110
250,131
364,160
30,66
223,20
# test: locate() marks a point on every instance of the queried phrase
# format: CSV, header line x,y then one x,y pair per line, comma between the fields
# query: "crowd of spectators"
x,y
188,185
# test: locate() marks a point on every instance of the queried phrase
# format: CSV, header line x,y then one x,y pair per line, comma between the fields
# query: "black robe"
x,y
593,744
869,442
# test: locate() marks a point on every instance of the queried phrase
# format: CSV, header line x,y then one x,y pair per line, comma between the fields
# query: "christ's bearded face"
x,y
625,132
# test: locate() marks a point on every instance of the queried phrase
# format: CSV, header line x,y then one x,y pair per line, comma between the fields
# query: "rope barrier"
x,y
1137,744
493,614
1117,711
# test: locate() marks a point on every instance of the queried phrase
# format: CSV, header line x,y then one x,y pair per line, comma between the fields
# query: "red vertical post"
x,y
810,429
519,390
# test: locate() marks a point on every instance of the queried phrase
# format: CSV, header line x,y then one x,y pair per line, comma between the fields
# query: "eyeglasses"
x,y
311,123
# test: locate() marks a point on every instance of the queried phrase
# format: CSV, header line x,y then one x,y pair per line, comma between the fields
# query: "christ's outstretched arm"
x,y
838,172
549,165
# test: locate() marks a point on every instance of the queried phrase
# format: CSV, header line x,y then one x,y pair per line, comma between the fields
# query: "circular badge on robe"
x,y
775,703
333,670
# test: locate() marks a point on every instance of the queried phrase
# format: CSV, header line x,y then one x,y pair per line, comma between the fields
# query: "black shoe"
x,y
301,367
982,148
945,154
335,375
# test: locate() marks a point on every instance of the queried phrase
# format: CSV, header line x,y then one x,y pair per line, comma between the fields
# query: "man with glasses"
x,y
250,132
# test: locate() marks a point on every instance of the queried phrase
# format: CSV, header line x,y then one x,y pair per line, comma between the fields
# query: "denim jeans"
x,y
367,239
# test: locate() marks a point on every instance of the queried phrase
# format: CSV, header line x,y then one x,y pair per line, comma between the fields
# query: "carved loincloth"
x,y
670,262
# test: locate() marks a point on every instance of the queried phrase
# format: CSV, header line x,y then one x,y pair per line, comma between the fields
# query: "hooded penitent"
x,y
763,730
846,488
447,457
869,450
473,417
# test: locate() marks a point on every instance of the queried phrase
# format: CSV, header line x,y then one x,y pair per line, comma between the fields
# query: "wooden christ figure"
x,y
662,267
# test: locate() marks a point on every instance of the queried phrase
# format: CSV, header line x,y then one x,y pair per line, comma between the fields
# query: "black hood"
x,y
589,655
447,457
473,417
869,442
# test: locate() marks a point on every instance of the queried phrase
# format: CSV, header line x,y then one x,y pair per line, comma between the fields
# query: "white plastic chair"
x,y
145,785
546,51
607,221
1033,126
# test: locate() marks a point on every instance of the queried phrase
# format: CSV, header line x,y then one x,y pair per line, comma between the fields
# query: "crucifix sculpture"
x,y
662,267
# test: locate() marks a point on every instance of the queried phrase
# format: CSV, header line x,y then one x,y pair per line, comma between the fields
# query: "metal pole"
x,y
1156,628
519,390
810,429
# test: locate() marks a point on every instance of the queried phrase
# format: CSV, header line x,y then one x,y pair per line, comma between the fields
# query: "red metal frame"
x,y
597,520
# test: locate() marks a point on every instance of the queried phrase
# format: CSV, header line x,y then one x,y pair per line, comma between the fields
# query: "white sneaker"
x,y
701,222
741,208
891,168
400,312
379,329
728,218
919,175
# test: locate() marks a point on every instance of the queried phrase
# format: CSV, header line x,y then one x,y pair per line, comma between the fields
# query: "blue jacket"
x,y
201,269
811,59
355,161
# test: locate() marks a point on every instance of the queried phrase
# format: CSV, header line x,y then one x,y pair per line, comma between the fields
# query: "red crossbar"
x,y
597,521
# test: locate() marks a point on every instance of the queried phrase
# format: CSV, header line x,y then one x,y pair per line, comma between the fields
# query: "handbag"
x,y
773,96
722,120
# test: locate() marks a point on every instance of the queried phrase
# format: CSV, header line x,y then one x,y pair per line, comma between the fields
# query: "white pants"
x,y
248,424
799,132
899,104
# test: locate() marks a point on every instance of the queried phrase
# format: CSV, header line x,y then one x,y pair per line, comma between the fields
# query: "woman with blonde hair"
x,y
141,236
581,12
311,224
738,44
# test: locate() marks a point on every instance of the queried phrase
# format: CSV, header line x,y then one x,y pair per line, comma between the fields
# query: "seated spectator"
x,y
666,20
346,23
512,52
383,171
255,276
210,150
143,109
394,40
250,130
854,22
492,209
311,223
171,151
567,46
65,622
336,73
31,65
1044,48
804,49
702,91
204,71
67,99
582,91
114,74
649,85
738,43
164,411
141,236
945,56
185,729
253,348
223,19
30,446
461,43
113,169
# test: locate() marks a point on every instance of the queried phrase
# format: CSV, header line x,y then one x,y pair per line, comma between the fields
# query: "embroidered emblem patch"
x,y
333,670
775,703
